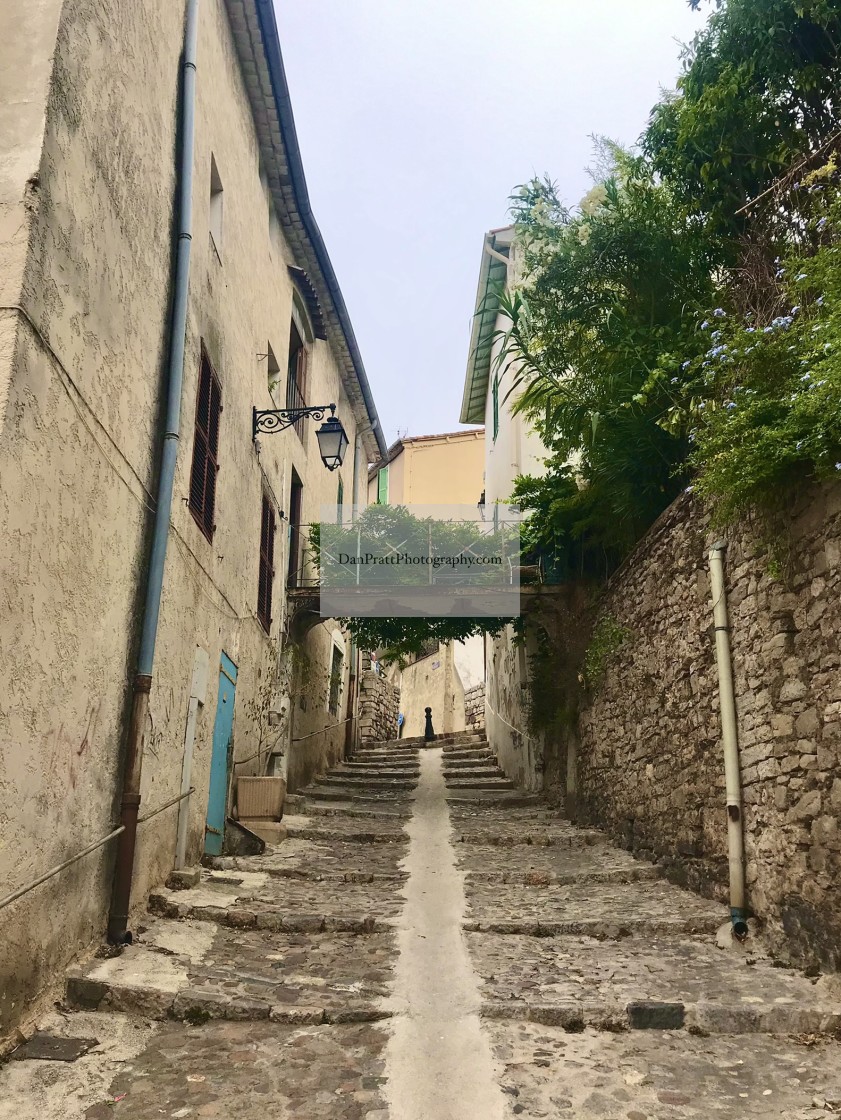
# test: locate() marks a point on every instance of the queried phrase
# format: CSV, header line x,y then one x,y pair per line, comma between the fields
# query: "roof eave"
x,y
289,188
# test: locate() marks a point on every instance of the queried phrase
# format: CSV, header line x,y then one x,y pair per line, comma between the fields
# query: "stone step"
x,y
495,782
365,781
459,773
419,741
489,799
365,766
351,793
452,764
390,810
199,973
375,831
451,746
384,759
469,754
252,900
474,833
704,1018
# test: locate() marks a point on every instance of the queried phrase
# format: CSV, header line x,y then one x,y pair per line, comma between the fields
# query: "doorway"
x,y
217,797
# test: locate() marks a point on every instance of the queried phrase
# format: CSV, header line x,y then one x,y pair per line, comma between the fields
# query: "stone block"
x,y
807,723
792,690
651,1015
809,805
184,879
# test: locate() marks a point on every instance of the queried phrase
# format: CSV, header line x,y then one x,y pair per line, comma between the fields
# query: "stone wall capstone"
x,y
650,764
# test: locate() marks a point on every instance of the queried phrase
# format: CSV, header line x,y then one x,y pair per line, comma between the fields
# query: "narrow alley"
x,y
430,944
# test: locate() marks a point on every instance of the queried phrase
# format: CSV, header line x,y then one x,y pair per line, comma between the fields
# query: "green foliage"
x,y
605,305
682,325
763,402
608,637
378,527
402,638
759,90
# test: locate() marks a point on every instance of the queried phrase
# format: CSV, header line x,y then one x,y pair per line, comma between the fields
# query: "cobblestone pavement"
x,y
462,962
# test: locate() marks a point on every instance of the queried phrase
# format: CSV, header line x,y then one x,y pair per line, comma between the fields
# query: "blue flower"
x,y
750,330
729,405
719,313
705,326
822,223
819,301
686,365
801,276
838,466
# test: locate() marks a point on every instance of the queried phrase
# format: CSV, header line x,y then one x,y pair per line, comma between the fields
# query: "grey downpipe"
x,y
730,740
121,896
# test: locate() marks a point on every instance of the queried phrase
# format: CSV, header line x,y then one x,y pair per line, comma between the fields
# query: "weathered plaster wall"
x,y
432,682
650,765
519,753
27,37
79,453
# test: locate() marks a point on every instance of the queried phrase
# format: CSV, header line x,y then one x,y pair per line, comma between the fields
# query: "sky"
x,y
416,121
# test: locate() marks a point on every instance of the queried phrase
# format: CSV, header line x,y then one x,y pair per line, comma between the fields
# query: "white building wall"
x,y
517,450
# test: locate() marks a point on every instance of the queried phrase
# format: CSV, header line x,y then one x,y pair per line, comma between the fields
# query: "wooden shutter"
x,y
382,486
340,501
264,590
206,449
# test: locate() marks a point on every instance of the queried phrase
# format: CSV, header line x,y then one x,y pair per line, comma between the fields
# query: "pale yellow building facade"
x,y
430,470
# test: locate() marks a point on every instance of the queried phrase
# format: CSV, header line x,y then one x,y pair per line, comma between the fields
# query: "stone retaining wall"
x,y
474,706
650,766
379,703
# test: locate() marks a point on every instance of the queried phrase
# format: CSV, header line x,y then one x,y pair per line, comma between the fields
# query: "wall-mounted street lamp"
x,y
481,506
331,436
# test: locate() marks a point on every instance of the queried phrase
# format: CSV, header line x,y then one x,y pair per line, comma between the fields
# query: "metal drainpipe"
x,y
730,740
121,897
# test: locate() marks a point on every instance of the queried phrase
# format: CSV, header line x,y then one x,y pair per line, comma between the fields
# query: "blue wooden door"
x,y
217,797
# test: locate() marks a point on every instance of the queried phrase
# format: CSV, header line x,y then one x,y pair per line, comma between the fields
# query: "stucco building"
x,y
429,470
512,448
97,110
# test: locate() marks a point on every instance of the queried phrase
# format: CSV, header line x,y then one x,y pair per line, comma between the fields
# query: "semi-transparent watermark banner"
x,y
418,561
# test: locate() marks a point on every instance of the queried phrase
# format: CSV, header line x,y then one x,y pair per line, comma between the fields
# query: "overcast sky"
x,y
416,120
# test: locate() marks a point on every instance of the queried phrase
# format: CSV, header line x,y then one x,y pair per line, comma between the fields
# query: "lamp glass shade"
x,y
332,443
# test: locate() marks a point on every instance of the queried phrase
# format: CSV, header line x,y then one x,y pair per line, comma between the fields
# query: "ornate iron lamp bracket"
x,y
276,419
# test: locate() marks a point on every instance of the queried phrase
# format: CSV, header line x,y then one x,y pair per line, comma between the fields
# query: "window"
x,y
296,384
205,466
340,501
273,370
215,206
264,590
382,486
496,405
336,667
296,503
